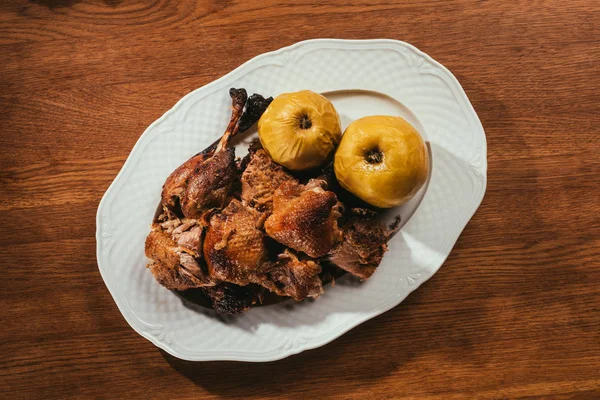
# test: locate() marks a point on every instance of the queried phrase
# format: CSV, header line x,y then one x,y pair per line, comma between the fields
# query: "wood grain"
x,y
513,313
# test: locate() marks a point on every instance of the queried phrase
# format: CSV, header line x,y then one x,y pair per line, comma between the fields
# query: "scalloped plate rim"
x,y
280,353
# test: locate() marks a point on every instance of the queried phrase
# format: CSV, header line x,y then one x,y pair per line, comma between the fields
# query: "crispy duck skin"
x,y
305,218
204,181
234,247
174,246
234,230
210,184
363,243
176,184
235,252
261,177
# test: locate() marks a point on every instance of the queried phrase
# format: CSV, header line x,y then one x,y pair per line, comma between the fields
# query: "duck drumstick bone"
x,y
205,180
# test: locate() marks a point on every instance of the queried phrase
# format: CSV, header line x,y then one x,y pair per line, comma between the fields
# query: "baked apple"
x,y
382,160
300,130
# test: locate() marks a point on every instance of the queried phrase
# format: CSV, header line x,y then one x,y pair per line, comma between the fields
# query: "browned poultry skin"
x,y
195,243
363,244
234,247
210,183
304,218
204,181
175,266
292,277
176,183
260,179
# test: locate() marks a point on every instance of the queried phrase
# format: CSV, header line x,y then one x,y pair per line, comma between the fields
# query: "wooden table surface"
x,y
513,313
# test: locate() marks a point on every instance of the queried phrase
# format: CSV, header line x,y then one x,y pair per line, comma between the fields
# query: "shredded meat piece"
x,y
294,277
170,225
174,266
261,177
190,239
363,244
305,218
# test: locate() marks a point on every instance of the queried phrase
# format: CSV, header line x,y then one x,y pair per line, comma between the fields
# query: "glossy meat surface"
x,y
234,247
305,218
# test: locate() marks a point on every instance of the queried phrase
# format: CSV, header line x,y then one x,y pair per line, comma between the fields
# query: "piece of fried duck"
x,y
305,217
236,251
174,245
261,177
205,180
173,248
294,275
364,241
234,246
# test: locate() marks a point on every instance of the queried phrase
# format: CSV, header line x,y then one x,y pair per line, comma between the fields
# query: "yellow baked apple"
x,y
382,159
300,130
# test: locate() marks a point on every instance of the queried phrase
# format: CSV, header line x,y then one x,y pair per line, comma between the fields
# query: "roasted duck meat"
x,y
363,243
233,231
261,177
234,247
305,217
235,250
205,180
173,248
294,277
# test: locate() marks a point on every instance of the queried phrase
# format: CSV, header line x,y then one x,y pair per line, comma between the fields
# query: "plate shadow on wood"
x,y
369,352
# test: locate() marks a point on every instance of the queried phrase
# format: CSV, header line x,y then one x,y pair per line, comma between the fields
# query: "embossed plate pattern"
x,y
420,85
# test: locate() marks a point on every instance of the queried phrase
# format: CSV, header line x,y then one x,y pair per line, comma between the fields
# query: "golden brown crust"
x,y
160,246
209,184
205,181
234,247
176,183
304,219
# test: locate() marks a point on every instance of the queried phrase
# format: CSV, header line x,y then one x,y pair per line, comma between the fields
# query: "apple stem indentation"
x,y
305,122
374,156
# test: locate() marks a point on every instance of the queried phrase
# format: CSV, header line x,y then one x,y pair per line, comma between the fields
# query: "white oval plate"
x,y
361,78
